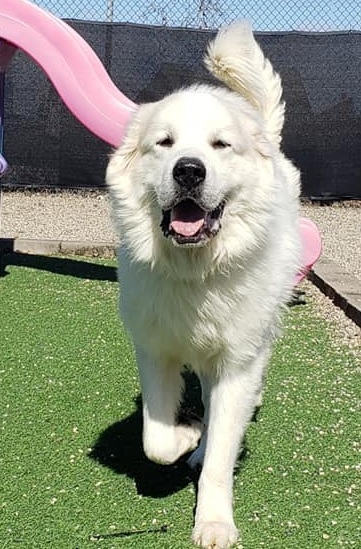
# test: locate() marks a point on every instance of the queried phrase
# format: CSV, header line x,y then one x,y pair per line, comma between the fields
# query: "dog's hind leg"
x,y
164,440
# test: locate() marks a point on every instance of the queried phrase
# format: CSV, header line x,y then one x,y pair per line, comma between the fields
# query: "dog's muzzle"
x,y
188,221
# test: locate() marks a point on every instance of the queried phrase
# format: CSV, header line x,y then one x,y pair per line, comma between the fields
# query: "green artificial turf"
x,y
73,474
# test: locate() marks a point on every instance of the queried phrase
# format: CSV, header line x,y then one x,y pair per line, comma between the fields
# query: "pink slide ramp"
x,y
72,66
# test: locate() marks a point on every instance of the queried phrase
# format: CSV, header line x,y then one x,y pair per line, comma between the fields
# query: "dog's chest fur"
x,y
189,321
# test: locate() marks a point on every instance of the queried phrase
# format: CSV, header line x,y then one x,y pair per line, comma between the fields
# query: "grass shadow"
x,y
58,265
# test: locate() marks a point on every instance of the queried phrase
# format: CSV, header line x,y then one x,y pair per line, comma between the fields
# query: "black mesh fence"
x,y
321,71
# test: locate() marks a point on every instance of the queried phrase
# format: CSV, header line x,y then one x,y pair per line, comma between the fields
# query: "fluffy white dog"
x,y
206,207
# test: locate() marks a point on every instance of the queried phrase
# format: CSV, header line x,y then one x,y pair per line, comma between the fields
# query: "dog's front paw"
x,y
215,535
166,445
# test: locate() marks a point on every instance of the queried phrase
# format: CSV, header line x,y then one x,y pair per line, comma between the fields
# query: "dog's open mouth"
x,y
188,223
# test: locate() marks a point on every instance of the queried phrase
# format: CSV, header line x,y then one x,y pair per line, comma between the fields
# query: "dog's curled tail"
x,y
235,58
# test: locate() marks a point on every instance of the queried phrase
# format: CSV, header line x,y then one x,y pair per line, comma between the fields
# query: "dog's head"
x,y
190,164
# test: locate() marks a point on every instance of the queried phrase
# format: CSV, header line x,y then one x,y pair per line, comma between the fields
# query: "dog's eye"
x,y
220,144
166,142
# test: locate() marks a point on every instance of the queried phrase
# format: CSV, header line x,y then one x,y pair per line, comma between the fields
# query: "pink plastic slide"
x,y
86,88
311,247
72,66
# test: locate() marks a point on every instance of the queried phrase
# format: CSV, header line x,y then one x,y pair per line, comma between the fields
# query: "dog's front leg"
x,y
232,400
164,440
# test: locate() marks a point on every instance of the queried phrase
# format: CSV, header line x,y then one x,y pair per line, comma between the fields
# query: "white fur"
x,y
215,306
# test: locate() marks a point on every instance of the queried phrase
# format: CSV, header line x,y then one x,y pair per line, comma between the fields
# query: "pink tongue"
x,y
187,218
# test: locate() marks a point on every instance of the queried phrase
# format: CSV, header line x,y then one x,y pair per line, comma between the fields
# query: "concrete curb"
x,y
343,288
334,281
53,247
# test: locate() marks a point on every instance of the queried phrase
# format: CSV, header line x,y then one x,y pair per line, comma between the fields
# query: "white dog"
x,y
207,208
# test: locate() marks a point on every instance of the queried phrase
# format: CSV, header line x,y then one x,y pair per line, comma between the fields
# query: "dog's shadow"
x,y
120,448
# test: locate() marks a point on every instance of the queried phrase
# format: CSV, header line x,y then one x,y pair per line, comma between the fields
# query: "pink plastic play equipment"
x,y
311,247
70,63
82,82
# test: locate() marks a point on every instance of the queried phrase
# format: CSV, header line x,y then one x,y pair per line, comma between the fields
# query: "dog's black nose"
x,y
189,172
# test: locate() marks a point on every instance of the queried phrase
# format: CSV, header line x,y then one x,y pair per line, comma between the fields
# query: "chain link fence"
x,y
150,48
266,15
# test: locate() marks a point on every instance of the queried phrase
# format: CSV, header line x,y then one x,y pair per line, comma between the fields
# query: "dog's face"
x,y
190,146
192,156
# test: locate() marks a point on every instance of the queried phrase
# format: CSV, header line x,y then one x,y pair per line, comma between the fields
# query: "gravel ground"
x,y
56,216
86,217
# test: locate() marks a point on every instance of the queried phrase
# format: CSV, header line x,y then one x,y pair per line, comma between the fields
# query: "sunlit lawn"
x,y
73,474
